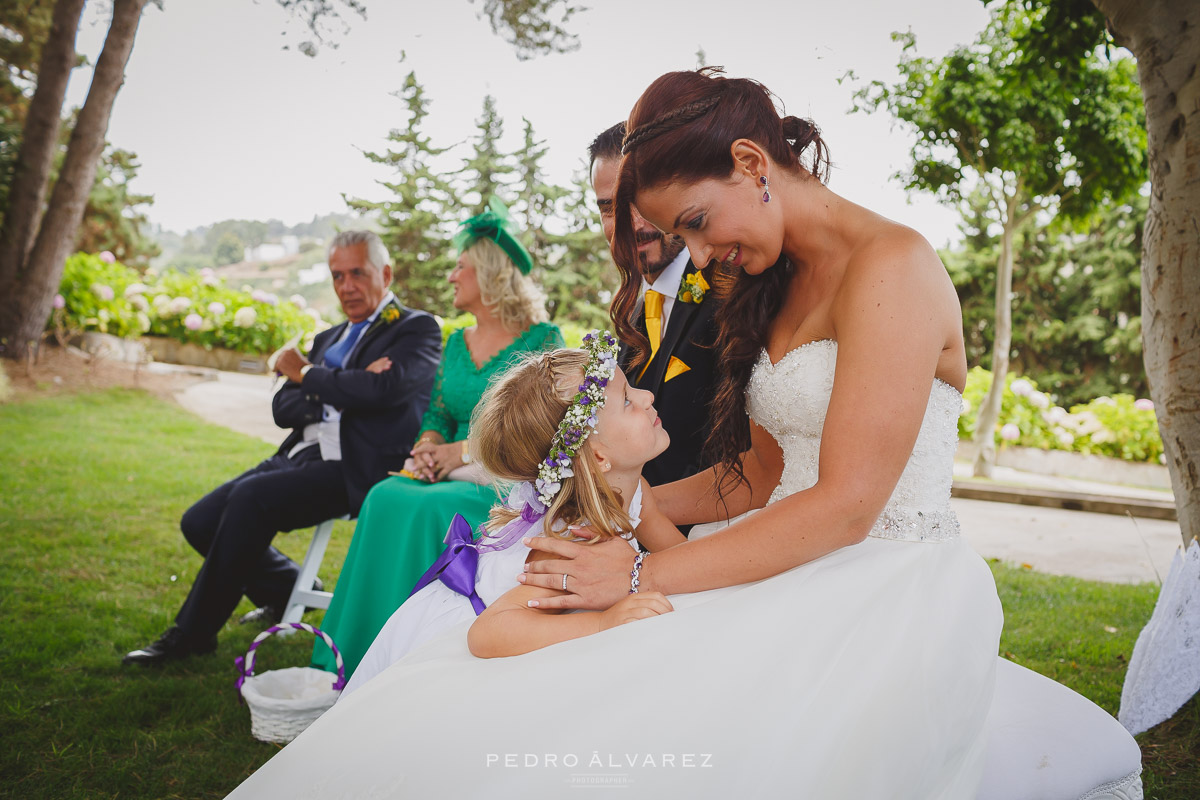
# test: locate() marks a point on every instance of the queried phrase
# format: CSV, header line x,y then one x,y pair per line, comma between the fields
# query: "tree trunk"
x,y
989,411
29,303
38,144
1164,35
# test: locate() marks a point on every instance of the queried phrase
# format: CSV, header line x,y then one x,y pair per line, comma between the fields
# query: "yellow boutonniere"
x,y
693,288
391,314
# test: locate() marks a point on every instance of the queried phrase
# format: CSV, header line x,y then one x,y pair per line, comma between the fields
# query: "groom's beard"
x,y
655,261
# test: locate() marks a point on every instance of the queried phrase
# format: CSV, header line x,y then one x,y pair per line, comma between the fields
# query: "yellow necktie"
x,y
653,309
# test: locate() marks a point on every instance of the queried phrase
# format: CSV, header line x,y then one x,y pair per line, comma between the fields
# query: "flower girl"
x,y
570,432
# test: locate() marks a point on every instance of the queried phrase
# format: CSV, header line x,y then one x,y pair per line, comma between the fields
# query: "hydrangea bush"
x,y
1119,426
99,294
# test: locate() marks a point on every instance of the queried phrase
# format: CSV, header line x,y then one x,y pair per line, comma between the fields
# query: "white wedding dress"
x,y
867,673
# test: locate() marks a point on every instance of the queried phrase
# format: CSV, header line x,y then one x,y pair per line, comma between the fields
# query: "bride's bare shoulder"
x,y
891,257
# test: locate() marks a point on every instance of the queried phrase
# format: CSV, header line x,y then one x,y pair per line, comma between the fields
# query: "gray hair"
x,y
377,254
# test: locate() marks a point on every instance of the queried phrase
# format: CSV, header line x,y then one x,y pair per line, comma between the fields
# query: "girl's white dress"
x,y
867,673
437,607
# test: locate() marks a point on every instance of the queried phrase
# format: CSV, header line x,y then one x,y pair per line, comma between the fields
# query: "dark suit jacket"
x,y
682,401
381,413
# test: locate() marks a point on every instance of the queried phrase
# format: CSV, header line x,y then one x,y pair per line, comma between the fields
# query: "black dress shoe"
x,y
269,615
266,616
174,644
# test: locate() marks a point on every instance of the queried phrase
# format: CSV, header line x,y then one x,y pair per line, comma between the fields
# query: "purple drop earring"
x,y
766,188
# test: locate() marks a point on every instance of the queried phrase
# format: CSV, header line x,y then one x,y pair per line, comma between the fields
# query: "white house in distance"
x,y
273,251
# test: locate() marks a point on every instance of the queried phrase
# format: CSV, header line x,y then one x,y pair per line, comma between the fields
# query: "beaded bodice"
x,y
789,400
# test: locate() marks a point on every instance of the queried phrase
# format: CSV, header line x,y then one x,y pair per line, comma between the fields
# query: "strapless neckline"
x,y
774,365
790,398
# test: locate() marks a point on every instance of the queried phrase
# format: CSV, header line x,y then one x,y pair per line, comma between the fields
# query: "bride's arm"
x,y
892,323
695,499
510,626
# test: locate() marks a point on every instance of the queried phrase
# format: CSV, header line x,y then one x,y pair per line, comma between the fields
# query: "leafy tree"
x,y
229,249
1076,306
1034,135
113,219
416,217
530,25
37,232
1164,36
250,232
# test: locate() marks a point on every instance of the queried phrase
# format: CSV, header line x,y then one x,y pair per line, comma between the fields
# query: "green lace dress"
x,y
403,522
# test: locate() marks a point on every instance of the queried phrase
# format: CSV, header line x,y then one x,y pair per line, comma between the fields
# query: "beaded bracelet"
x,y
635,576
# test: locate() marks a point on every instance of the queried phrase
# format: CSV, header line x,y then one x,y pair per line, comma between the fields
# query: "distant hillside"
x,y
225,242
222,245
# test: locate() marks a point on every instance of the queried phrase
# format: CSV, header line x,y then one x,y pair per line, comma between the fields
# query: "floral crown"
x,y
580,419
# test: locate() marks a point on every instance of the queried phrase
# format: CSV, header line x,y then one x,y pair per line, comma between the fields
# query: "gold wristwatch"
x,y
466,454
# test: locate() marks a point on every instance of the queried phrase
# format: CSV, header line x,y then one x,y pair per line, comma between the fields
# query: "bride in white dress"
x,y
839,641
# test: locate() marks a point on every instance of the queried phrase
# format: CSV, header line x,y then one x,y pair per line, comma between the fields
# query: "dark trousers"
x,y
233,525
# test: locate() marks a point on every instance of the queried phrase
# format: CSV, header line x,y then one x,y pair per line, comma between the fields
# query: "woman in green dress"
x,y
404,518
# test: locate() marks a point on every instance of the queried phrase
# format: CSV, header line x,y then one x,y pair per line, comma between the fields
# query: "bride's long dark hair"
x,y
681,130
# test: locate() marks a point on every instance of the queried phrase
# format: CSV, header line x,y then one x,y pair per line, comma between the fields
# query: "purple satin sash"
x,y
457,564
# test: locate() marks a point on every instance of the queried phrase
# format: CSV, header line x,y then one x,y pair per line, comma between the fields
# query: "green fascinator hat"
x,y
494,224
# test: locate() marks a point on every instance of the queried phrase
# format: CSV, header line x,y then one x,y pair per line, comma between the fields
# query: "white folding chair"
x,y
303,594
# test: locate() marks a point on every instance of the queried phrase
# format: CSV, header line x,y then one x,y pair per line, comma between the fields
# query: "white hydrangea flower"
x,y
245,317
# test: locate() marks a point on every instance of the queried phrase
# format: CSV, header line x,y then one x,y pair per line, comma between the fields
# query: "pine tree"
x,y
580,277
482,175
537,201
417,217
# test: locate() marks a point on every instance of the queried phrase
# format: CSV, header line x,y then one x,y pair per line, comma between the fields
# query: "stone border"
x,y
1064,464
1144,508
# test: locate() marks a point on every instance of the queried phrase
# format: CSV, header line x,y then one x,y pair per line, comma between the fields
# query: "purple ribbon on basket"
x,y
458,564
245,666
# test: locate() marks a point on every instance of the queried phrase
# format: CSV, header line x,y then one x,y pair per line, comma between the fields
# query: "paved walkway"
x,y
1103,547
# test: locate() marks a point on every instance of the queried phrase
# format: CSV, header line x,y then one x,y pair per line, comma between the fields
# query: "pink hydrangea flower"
x,y
107,257
60,301
1010,432
1143,404
193,322
103,291
216,308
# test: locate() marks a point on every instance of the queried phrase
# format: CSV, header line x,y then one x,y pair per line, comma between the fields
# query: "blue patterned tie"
x,y
336,355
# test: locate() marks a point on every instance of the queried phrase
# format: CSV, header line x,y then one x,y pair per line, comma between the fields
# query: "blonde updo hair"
x,y
513,297
511,431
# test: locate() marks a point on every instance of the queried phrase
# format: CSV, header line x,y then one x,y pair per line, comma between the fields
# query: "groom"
x,y
675,311
354,411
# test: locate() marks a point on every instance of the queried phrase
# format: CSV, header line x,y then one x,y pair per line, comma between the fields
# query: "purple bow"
x,y
457,564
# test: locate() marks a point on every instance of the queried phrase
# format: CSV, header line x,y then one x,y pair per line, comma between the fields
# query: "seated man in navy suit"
x,y
354,411
668,305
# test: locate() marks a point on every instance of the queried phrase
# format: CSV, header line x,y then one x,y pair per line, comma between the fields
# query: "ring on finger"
x,y
564,582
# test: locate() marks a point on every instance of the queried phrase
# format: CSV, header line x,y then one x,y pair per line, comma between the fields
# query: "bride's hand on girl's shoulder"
x,y
598,573
642,605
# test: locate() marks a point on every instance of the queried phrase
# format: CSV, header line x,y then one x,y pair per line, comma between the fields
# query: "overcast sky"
x,y
228,124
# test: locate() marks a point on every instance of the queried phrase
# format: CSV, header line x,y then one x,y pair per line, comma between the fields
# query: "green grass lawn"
x,y
93,565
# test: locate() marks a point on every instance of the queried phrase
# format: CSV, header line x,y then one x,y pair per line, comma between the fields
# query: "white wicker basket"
x,y
283,702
